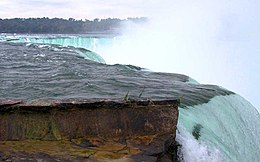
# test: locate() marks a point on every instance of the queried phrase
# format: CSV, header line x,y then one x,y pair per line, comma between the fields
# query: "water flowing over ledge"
x,y
220,124
224,129
30,72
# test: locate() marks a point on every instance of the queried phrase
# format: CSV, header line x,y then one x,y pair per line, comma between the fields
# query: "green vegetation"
x,y
63,26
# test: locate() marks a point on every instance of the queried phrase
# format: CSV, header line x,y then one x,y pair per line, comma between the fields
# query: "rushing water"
x,y
215,124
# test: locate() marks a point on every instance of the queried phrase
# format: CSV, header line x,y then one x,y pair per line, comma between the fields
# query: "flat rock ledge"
x,y
88,130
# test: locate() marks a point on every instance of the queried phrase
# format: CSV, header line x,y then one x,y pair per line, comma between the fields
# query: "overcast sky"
x,y
79,9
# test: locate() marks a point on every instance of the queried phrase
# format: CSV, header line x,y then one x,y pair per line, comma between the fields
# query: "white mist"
x,y
212,41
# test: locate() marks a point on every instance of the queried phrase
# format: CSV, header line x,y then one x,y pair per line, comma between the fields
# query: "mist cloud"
x,y
215,42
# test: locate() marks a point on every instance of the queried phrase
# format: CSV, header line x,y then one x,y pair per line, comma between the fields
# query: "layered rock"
x,y
88,130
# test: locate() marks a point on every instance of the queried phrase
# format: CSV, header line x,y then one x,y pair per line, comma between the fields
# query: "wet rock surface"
x,y
87,130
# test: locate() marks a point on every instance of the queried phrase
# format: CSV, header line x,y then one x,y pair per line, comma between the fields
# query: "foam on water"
x,y
86,54
193,150
230,128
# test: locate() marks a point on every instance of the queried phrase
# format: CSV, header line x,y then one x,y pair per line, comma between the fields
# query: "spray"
x,y
215,42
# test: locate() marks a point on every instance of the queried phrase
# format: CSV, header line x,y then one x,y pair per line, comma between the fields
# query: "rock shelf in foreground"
x,y
88,130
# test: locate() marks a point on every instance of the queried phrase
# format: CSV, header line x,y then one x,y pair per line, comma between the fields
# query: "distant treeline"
x,y
63,26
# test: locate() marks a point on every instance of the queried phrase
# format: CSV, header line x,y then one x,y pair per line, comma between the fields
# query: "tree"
x,y
61,26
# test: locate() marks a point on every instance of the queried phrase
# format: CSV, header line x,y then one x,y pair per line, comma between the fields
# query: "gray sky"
x,y
79,9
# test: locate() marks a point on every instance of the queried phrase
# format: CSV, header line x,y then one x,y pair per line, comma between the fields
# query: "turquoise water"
x,y
91,43
51,66
230,130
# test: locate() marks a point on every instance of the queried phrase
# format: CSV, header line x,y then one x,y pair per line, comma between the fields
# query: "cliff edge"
x,y
88,130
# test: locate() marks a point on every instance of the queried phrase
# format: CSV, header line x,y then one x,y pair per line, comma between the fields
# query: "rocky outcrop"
x,y
88,130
